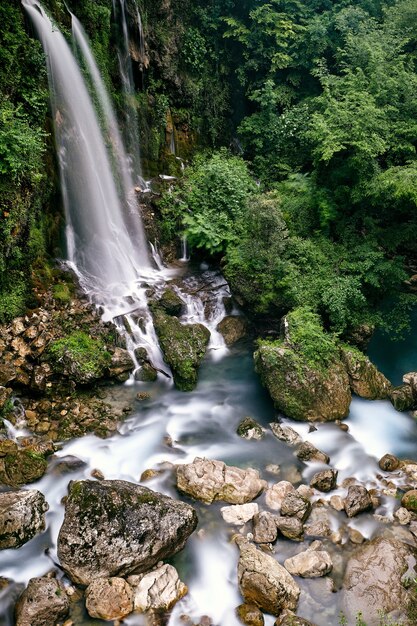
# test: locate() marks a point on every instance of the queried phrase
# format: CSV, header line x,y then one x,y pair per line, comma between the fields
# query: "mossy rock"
x,y
79,357
21,466
402,398
300,391
171,303
146,374
183,345
365,379
409,500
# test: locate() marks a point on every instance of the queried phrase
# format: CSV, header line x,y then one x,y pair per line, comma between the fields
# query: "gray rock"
x,y
308,452
208,481
43,603
310,564
264,528
373,581
250,429
121,362
109,598
239,514
290,527
285,433
318,524
115,528
275,495
158,590
324,481
357,500
264,582
22,516
295,505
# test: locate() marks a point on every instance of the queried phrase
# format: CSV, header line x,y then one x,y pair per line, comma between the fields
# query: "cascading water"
x,y
126,72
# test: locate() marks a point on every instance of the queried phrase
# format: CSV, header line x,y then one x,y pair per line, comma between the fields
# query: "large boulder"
x,y
43,603
365,379
22,516
208,481
303,371
263,581
373,582
115,528
171,302
183,345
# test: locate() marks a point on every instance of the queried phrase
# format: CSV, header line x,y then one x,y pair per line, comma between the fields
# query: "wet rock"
x,y
5,394
318,524
337,503
310,564
109,598
20,466
389,463
43,603
208,481
308,452
158,590
409,500
171,302
402,398
295,505
298,389
373,581
232,328
239,514
22,516
264,528
183,345
285,433
290,527
146,374
250,615
263,581
366,381
355,536
357,500
275,495
114,528
403,516
324,481
121,363
288,618
250,429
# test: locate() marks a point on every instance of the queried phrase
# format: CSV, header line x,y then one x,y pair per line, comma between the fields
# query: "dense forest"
x,y
314,103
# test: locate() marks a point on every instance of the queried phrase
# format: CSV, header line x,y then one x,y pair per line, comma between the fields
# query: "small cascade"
x,y
126,73
142,52
184,250
204,297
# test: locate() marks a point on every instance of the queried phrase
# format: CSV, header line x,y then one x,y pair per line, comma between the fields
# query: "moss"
x,y
61,292
22,467
307,336
184,347
80,357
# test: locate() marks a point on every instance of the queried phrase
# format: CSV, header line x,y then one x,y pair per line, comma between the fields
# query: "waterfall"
x,y
126,72
105,254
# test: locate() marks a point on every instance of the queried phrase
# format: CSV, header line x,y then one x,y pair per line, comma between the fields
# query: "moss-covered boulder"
x,y
232,328
183,345
20,466
365,379
171,302
402,398
79,357
303,371
115,528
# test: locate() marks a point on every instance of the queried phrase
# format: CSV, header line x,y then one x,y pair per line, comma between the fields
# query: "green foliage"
x,y
85,356
13,297
306,334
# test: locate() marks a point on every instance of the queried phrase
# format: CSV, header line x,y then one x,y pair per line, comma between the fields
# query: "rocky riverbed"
x,y
206,507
